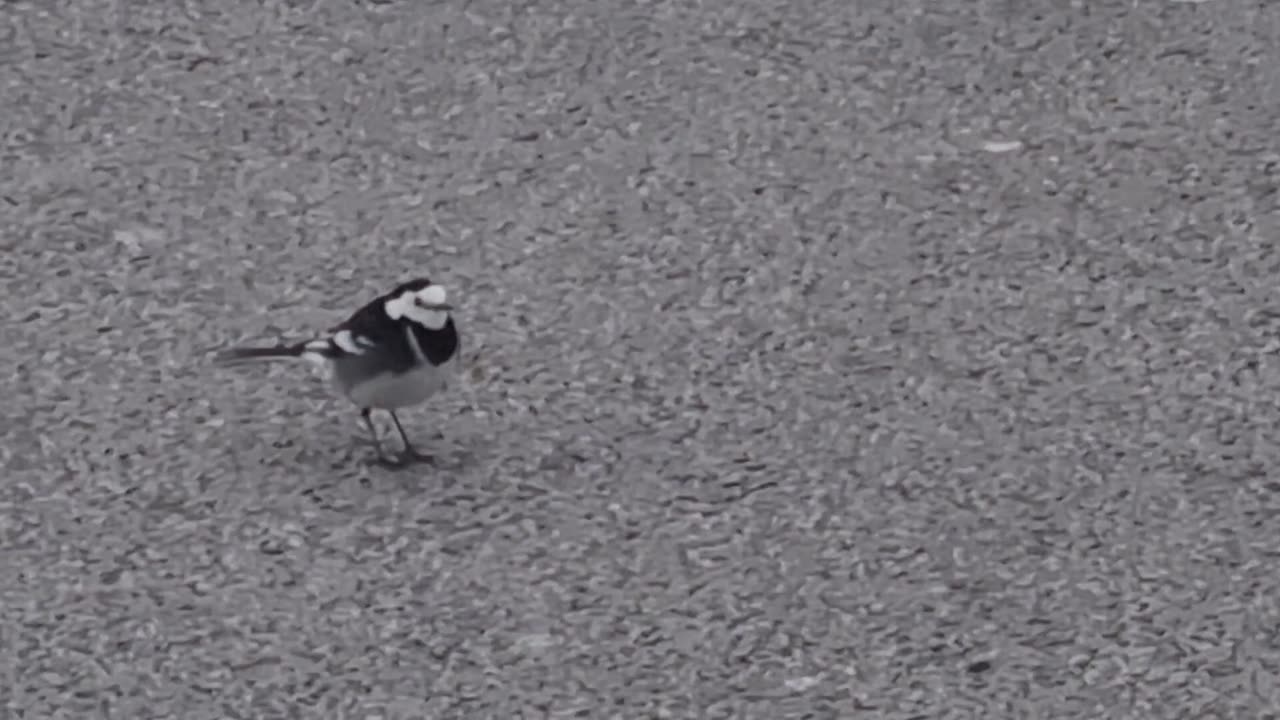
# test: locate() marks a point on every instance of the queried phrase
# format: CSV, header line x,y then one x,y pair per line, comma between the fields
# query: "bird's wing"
x,y
369,332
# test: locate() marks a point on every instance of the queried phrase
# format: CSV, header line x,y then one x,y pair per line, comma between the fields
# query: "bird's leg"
x,y
366,415
409,450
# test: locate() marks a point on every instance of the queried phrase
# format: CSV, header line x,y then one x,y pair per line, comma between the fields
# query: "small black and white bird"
x,y
396,351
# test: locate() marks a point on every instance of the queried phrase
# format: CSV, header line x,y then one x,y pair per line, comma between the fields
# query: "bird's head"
x,y
421,301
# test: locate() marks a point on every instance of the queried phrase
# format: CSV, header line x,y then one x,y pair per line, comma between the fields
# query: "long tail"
x,y
316,351
242,355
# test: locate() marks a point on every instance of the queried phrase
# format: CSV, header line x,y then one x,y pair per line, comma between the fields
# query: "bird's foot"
x,y
411,456
383,458
392,463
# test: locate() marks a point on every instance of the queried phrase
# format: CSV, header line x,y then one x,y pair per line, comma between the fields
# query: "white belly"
x,y
389,392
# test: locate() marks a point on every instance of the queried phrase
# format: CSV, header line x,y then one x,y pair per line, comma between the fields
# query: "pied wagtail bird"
x,y
394,352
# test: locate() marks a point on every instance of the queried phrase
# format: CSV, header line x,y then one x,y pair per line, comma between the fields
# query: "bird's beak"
x,y
434,306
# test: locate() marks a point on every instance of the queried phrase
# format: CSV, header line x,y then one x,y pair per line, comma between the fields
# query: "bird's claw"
x,y
412,456
404,459
391,463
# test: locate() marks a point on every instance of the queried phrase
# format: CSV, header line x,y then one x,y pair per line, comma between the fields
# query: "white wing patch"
x,y
316,352
349,343
433,295
323,351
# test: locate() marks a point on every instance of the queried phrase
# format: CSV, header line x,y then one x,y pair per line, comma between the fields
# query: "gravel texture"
x,y
823,359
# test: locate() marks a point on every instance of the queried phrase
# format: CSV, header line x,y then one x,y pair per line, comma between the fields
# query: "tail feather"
x,y
319,352
242,355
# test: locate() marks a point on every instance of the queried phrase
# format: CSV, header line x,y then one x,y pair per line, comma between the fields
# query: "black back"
x,y
372,322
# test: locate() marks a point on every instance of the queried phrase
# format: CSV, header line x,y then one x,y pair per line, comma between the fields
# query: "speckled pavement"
x,y
823,360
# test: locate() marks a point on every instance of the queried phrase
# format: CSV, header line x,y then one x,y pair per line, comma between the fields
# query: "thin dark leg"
x,y
365,414
409,450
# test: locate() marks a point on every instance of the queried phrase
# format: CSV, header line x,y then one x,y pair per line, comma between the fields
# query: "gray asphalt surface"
x,y
823,359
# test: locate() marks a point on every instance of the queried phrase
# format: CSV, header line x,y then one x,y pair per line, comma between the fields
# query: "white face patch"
x,y
406,306
429,319
433,295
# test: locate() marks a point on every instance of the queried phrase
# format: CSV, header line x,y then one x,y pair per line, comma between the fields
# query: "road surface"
x,y
823,359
